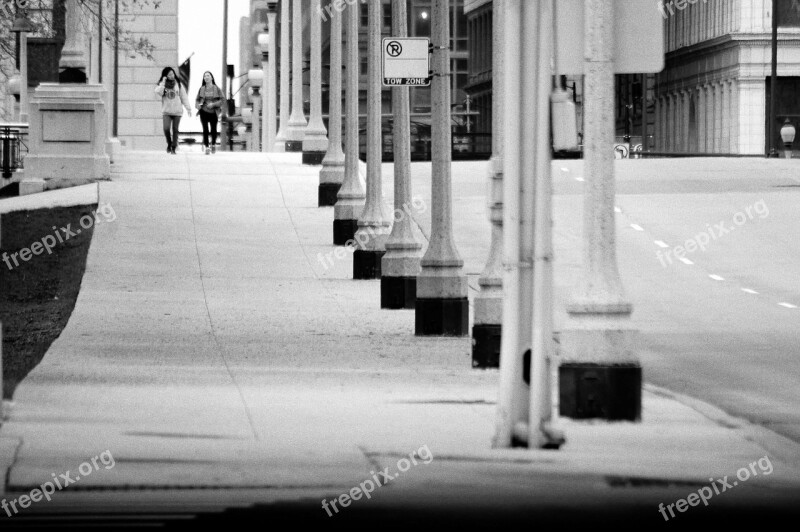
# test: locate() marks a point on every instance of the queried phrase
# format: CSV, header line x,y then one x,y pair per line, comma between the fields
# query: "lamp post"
x,y
331,176
268,100
247,120
23,26
296,130
285,88
787,135
256,79
315,142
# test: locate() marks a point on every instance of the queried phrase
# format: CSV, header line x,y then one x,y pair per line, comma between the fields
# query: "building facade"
x,y
713,95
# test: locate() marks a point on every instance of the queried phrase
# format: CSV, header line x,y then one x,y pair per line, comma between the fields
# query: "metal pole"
x,y
442,307
487,328
297,121
773,83
599,333
224,133
401,264
281,138
511,400
271,68
331,176
373,226
255,124
350,198
115,124
315,143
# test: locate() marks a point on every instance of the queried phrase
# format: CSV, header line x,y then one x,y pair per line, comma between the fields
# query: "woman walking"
x,y
209,106
173,97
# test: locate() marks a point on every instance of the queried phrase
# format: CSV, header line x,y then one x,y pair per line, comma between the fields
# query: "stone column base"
x,y
327,194
398,292
367,264
344,231
442,317
313,158
486,346
31,186
600,391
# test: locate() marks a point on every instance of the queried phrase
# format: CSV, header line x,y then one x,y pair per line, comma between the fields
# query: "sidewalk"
x,y
211,349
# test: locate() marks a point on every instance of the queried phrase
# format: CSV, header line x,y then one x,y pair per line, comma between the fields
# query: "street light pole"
x,y
281,138
315,143
401,264
350,198
297,121
223,134
773,83
442,306
22,26
332,174
271,70
373,226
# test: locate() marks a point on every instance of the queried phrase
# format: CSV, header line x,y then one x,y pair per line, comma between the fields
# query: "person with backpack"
x,y
209,106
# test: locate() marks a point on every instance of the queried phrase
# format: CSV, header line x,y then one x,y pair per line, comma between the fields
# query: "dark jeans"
x,y
209,119
171,123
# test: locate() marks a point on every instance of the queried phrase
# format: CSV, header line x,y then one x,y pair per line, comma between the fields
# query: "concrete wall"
x,y
139,108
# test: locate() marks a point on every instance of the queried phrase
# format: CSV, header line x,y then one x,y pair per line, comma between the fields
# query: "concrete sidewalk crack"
x,y
220,349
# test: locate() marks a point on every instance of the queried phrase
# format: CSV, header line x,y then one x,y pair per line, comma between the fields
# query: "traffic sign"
x,y
639,31
406,62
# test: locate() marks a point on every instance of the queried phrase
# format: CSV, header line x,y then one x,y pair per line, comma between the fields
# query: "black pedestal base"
x,y
442,317
294,145
398,292
326,194
313,158
589,391
344,231
367,264
486,346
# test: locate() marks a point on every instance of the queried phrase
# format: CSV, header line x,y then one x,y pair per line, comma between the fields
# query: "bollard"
x,y
401,264
442,307
332,174
373,225
350,198
283,122
296,129
315,142
487,328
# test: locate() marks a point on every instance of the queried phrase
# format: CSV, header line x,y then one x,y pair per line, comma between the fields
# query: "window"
x,y
387,16
421,26
364,15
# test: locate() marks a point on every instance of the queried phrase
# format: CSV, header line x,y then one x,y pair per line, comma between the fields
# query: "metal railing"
x,y
12,147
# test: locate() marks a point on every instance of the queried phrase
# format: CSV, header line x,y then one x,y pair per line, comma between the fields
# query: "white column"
x,y
717,117
297,121
283,123
331,176
350,199
599,330
315,142
701,120
270,87
735,111
442,306
486,328
401,263
373,226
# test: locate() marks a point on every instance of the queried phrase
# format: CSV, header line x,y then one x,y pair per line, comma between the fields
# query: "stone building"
x,y
713,95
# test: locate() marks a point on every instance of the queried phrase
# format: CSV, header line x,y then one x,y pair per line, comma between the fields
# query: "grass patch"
x,y
38,296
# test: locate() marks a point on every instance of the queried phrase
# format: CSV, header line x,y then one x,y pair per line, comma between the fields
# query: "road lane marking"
x,y
661,244
716,277
637,227
787,305
749,291
579,179
617,210
686,261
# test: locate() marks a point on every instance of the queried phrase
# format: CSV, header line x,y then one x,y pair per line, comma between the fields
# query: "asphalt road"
x,y
720,325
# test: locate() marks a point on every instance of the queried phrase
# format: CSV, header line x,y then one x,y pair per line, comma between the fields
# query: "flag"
x,y
185,72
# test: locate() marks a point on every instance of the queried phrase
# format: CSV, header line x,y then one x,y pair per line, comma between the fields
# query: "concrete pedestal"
x,y
398,292
367,264
442,317
68,133
486,346
344,231
327,194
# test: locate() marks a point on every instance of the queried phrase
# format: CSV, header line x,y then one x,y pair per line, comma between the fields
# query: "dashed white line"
x,y
579,179
637,227
686,261
661,244
564,169
617,210
787,305
749,291
716,277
